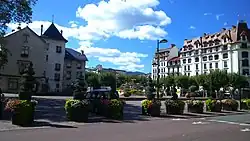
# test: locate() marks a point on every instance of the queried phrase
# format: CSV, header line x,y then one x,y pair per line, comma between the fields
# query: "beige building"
x,y
25,46
49,56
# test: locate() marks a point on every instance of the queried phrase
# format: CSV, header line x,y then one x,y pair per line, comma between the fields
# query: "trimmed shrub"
x,y
246,104
195,106
230,105
213,105
174,106
77,110
115,109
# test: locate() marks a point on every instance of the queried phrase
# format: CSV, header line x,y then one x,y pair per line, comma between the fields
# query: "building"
x,y
48,54
226,50
166,66
74,66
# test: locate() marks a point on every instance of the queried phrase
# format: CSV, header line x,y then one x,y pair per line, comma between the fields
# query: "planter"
x,y
215,108
195,109
154,111
175,110
22,118
227,107
113,113
79,114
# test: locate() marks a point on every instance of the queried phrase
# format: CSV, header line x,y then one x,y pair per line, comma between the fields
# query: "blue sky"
x,y
122,34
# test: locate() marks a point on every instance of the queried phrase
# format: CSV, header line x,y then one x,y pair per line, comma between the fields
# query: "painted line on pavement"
x,y
245,130
230,122
25,128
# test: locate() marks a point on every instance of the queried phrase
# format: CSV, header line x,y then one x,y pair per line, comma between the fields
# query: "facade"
x,y
48,54
165,56
74,66
225,50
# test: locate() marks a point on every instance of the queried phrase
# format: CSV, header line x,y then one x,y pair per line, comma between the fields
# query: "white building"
x,y
165,67
225,50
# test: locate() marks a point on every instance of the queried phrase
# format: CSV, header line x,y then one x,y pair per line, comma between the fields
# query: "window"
x,y
79,66
243,37
197,66
217,49
78,74
225,55
225,64
245,72
217,41
58,49
47,57
245,63
57,76
196,59
189,60
184,54
225,39
57,86
13,83
25,38
190,53
185,68
57,67
188,67
210,57
184,61
216,65
216,57
210,50
244,54
25,51
205,66
205,58
224,47
197,52
68,74
210,65
197,73
205,44
22,65
188,74
244,45
68,65
210,43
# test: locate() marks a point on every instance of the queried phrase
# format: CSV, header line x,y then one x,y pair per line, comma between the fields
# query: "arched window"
x,y
197,59
225,55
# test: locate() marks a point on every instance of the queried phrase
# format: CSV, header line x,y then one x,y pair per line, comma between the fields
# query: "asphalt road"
x,y
156,130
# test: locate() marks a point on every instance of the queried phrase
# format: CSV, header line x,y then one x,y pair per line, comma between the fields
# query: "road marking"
x,y
230,122
177,119
25,128
245,130
199,122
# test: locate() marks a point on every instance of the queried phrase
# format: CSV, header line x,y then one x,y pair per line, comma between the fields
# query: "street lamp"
x,y
158,64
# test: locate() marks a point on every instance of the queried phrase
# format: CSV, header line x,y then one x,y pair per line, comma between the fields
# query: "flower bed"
x,y
115,109
230,105
174,106
246,104
195,106
151,107
77,110
213,105
22,111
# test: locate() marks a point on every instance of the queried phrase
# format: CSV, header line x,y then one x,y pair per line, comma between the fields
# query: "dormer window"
x,y
68,65
25,38
243,38
205,44
211,43
25,51
58,49
57,67
79,66
217,41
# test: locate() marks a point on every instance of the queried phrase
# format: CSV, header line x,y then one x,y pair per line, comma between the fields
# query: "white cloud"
x,y
225,23
130,19
218,16
192,27
206,14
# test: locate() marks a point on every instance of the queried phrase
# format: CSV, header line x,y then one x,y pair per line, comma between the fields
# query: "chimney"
x,y
205,34
82,52
61,32
41,30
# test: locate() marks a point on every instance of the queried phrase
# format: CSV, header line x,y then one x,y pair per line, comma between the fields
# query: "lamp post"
x,y
158,64
239,61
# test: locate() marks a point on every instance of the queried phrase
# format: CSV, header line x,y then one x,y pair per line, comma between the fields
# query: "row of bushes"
x,y
152,107
78,110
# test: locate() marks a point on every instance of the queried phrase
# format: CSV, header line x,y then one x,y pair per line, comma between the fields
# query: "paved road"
x,y
156,130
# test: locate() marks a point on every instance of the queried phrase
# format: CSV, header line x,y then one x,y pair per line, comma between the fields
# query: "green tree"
x,y
27,83
150,89
93,80
18,11
80,89
108,79
218,79
182,81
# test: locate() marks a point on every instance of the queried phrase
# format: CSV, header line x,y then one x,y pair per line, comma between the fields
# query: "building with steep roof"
x,y
226,50
48,54
165,55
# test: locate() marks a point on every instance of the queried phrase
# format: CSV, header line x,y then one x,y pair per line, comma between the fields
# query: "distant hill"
x,y
134,73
